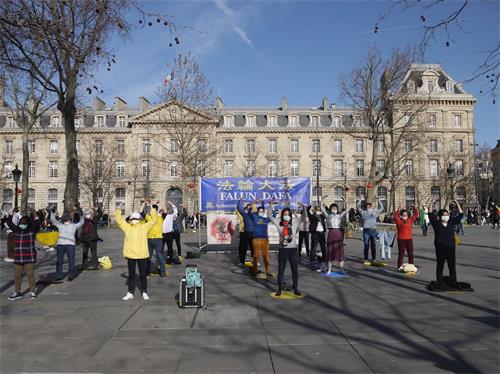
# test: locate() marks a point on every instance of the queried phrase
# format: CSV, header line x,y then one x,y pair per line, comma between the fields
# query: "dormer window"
x,y
293,121
450,86
315,121
430,86
410,86
249,121
99,121
357,121
228,121
272,121
11,122
336,122
78,122
122,121
55,121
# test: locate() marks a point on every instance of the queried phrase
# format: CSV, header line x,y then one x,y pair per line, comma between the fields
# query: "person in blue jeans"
x,y
66,242
369,216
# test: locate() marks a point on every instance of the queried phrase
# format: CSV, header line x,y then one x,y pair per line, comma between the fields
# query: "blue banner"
x,y
224,193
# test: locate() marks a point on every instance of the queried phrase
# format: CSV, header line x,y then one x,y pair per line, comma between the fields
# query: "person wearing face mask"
x,y
317,227
155,237
424,219
288,229
444,242
260,241
169,216
24,253
246,230
404,226
301,215
66,242
89,238
135,248
369,216
335,238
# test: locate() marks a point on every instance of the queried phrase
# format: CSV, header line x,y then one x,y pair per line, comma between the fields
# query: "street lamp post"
x,y
451,174
16,175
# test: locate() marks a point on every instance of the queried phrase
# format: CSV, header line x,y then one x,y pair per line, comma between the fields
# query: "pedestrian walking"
x,y
135,248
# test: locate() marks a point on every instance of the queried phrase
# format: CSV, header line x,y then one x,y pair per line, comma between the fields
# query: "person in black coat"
x,y
317,228
444,242
89,238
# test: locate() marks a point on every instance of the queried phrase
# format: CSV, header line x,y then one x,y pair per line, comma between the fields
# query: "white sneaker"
x,y
328,273
8,259
50,249
145,296
128,296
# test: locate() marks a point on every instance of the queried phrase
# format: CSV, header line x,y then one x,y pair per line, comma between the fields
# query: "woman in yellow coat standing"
x,y
135,248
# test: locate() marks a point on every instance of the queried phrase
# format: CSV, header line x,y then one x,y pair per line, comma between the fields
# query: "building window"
x,y
435,194
228,121
78,122
31,169
120,193
357,121
433,168
31,198
336,122
316,145
338,196
294,168
174,172
77,145
433,146
432,120
315,121
250,169
450,86
273,168
410,196
9,148
7,168
459,145
317,191
146,145
460,195
457,120
337,146
31,146
98,147
250,146
228,168
145,168
409,168
316,168
52,194
380,147
294,145
293,121
228,145
249,121
120,146
174,146
53,169
11,122
338,168
98,168
382,195
381,166
120,169
360,168
200,168
408,146
359,146
54,145
55,121
430,86
7,198
272,121
360,192
99,121
272,146
459,167
202,145
122,121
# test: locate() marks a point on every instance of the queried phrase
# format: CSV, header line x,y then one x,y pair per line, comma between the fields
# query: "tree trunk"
x,y
25,175
68,109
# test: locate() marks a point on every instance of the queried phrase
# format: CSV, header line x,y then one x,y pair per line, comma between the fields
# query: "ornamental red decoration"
x,y
347,189
19,190
369,186
191,185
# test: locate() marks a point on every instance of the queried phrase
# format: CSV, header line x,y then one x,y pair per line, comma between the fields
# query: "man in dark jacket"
x,y
246,236
89,238
178,228
317,228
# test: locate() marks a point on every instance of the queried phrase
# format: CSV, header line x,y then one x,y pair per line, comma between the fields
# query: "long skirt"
x,y
335,245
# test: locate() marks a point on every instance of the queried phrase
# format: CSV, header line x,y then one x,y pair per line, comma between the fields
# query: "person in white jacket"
x,y
168,230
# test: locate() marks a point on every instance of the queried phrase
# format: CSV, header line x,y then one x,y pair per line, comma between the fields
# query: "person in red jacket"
x,y
404,225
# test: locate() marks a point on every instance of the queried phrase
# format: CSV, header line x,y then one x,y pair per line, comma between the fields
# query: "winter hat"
x,y
135,215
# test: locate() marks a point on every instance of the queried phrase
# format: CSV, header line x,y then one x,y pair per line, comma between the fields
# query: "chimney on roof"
x,y
219,104
119,104
98,104
324,104
143,104
284,103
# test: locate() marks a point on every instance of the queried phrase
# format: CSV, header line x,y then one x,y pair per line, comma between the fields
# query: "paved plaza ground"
x,y
374,321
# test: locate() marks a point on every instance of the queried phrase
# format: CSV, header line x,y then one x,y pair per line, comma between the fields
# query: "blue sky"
x,y
257,51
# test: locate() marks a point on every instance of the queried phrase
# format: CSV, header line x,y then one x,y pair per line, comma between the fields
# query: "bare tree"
x,y
70,38
29,102
392,114
97,169
434,28
190,125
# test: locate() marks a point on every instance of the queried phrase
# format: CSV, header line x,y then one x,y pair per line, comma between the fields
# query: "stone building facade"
x,y
256,141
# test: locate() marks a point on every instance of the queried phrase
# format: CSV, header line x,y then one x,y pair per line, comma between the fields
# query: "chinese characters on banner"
x,y
222,194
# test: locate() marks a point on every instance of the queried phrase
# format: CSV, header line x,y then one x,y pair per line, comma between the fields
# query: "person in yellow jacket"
x,y
155,239
135,248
